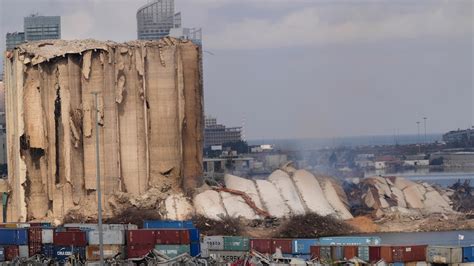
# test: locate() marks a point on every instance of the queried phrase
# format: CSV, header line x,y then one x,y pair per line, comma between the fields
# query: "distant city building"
x,y
35,28
156,19
14,39
217,134
42,27
461,137
192,34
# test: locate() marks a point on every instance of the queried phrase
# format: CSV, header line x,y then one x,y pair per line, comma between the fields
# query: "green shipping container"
x,y
173,250
236,243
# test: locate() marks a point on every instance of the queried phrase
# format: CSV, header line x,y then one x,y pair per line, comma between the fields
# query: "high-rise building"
x,y
156,19
192,34
35,28
14,39
217,134
42,27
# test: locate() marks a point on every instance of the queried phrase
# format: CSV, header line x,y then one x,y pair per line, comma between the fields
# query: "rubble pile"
x,y
150,115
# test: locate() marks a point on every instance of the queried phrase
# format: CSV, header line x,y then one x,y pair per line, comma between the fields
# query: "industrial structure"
x,y
463,137
35,28
218,134
150,123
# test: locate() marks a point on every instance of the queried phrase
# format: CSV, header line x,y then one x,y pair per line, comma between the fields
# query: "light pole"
x,y
99,191
418,139
424,120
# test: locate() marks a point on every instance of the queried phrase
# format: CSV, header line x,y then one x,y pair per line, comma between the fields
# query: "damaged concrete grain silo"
x,y
151,110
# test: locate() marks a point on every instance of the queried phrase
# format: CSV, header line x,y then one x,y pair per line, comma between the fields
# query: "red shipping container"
x,y
141,237
284,244
34,235
409,253
374,254
350,252
34,248
386,254
139,251
315,252
261,245
11,252
70,238
172,237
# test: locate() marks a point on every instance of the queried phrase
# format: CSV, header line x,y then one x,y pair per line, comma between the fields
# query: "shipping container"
x,y
337,253
13,236
194,235
213,243
375,253
2,254
204,250
34,235
110,251
173,250
325,253
139,251
285,245
350,241
468,254
222,257
159,224
416,263
438,254
11,252
172,237
386,254
23,251
16,225
398,264
363,253
62,253
34,248
236,243
47,236
261,245
302,246
48,250
141,237
350,252
109,237
315,252
410,253
70,238
195,249
105,227
40,224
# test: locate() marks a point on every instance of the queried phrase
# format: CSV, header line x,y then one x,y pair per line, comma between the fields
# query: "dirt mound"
x,y
134,216
363,224
463,196
228,226
313,225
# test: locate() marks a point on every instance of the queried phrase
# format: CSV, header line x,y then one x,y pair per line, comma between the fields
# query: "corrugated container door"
x,y
195,249
172,237
413,253
456,255
386,254
261,245
363,253
236,243
194,235
23,251
2,254
337,253
468,254
141,237
47,250
374,253
11,252
302,246
139,251
315,252
213,242
325,253
285,245
110,251
47,236
350,252
157,224
398,254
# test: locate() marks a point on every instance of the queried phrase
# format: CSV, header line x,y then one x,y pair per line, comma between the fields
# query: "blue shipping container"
x,y
61,253
398,264
350,241
47,250
302,246
194,235
195,248
158,224
14,236
468,254
363,253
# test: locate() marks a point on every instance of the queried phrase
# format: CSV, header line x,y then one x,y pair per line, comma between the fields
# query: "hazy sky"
x,y
308,68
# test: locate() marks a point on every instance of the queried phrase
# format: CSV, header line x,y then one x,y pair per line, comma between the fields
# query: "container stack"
x,y
173,238
14,242
224,249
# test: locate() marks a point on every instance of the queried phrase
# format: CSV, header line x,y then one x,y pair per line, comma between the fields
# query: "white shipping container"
x,y
116,237
214,242
47,236
105,227
23,251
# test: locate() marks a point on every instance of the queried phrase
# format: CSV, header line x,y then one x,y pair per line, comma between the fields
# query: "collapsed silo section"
x,y
150,123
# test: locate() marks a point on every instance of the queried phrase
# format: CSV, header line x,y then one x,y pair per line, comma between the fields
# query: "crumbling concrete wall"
x,y
150,104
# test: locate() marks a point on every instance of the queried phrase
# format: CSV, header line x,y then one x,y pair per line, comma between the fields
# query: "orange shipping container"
x,y
350,252
386,253
110,251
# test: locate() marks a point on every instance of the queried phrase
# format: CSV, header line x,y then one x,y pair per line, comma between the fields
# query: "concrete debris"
x,y
312,193
178,208
150,117
288,192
